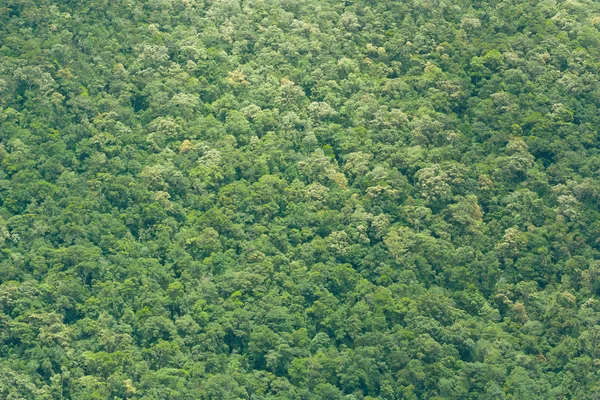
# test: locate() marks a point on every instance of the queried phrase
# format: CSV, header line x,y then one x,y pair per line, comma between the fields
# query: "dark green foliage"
x,y
304,199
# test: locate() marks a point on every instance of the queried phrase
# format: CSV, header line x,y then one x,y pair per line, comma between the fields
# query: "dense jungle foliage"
x,y
299,199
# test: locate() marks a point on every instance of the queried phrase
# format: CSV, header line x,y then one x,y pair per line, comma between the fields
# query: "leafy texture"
x,y
299,199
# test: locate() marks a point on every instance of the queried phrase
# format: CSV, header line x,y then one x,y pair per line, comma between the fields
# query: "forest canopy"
x,y
299,199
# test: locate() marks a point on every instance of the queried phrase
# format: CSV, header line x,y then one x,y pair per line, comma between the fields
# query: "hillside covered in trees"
x,y
299,199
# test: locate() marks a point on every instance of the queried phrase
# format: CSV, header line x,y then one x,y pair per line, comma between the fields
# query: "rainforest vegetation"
x,y
299,199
